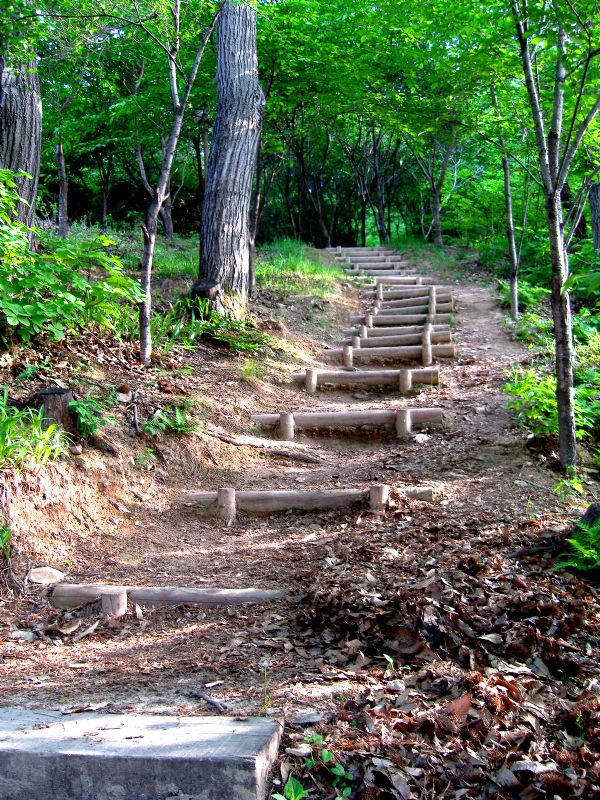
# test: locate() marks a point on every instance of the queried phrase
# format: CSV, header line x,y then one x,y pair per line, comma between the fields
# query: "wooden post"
x,y
403,423
369,321
363,332
380,291
406,382
379,496
114,602
286,426
310,383
347,355
356,342
427,356
418,281
226,505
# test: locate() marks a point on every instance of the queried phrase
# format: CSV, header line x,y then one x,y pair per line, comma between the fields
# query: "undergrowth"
x,y
76,284
584,549
25,442
286,268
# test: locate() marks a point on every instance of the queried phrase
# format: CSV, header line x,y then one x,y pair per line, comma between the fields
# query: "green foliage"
x,y
285,267
89,415
534,400
5,545
252,370
323,759
293,790
146,460
529,296
174,419
50,292
584,551
24,441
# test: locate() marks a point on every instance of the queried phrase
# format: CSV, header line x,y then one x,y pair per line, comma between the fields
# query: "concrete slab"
x,y
52,756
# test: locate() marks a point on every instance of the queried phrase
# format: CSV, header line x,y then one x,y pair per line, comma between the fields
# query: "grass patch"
x,y
287,268
24,441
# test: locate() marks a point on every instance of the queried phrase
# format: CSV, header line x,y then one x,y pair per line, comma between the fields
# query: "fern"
x,y
584,554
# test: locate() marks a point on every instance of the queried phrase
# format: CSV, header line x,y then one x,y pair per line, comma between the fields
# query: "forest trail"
x,y
422,586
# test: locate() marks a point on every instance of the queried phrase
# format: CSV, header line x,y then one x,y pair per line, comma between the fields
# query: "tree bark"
x,y
63,189
436,216
563,334
224,232
595,214
21,132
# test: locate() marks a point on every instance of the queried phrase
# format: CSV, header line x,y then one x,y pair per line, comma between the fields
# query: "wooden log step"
x,y
71,595
375,273
313,378
363,250
400,280
384,266
402,353
396,320
425,308
404,419
271,501
437,337
399,307
401,330
372,258
405,291
403,302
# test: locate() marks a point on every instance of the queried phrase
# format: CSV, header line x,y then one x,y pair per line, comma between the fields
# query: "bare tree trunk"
x,y
563,333
63,189
436,216
510,224
363,221
166,213
21,132
224,237
595,213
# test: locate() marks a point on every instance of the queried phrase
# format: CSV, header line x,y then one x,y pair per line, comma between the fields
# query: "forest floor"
x,y
432,650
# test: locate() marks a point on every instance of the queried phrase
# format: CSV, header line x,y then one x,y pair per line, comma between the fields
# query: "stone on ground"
x,y
52,756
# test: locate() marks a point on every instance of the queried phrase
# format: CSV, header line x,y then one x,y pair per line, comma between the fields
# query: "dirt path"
x,y
420,586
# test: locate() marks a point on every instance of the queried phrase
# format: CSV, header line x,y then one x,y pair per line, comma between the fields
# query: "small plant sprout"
x,y
293,790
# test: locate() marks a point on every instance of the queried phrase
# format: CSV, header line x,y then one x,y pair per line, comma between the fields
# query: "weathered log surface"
x,y
404,353
400,330
404,291
437,337
71,595
269,501
421,308
343,419
375,377
399,319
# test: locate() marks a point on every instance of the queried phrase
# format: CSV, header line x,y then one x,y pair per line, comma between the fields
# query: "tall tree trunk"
x,y
166,213
595,213
563,333
510,237
363,221
436,216
224,236
21,132
63,189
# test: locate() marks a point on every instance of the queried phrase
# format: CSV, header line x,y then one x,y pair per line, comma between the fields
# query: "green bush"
x,y
529,296
24,441
534,400
50,292
172,419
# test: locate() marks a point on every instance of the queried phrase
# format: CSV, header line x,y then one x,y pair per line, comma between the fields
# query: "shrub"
x,y
50,292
